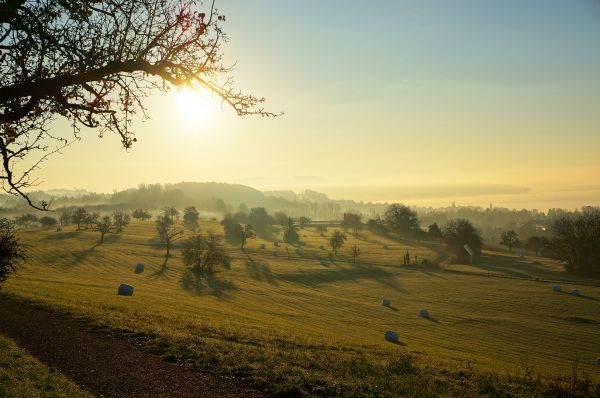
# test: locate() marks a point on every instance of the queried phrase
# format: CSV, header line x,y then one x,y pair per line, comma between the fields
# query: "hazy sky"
x,y
502,95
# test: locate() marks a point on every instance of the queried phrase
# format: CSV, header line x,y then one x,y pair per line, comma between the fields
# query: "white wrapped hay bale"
x,y
125,290
556,288
424,312
392,336
139,268
575,292
386,302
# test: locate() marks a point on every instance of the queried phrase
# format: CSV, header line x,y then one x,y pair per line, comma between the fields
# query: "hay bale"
x,y
322,247
556,288
125,290
262,246
392,336
323,262
574,292
424,313
226,262
386,302
139,268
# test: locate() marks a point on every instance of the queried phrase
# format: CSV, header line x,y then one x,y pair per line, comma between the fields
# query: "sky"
x,y
422,102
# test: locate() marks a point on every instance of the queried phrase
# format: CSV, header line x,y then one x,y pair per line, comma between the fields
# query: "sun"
x,y
193,107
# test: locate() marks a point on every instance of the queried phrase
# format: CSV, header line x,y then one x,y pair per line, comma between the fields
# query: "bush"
x,y
11,251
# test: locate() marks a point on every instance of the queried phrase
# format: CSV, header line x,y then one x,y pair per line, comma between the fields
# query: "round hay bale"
x,y
226,262
574,292
323,262
392,336
262,246
139,268
125,290
386,302
556,288
424,313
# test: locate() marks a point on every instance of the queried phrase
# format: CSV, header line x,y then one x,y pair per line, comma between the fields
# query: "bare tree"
x,y
103,225
168,232
121,219
94,63
246,232
355,253
336,241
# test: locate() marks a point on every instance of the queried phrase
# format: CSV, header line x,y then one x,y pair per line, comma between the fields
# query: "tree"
x,y
190,217
91,219
352,221
12,252
26,220
48,222
355,253
290,232
402,220
376,226
141,214
576,241
536,243
65,218
280,218
230,225
303,221
79,217
510,239
166,228
245,232
259,218
202,254
336,241
94,63
121,219
103,225
434,232
459,232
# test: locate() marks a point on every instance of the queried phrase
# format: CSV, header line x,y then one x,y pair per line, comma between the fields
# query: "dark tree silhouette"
x,y
336,241
402,220
11,251
510,239
79,217
190,217
434,232
121,219
352,221
290,231
355,253
103,225
167,231
459,232
245,232
94,63
141,214
48,222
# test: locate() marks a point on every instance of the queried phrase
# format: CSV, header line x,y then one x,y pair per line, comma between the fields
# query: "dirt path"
x,y
104,365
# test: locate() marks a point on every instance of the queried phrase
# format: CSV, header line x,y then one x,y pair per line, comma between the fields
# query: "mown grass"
x,y
293,326
21,375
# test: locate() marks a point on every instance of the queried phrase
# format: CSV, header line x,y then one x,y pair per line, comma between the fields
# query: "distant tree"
x,y
434,232
352,221
576,241
536,244
355,253
190,218
167,229
65,218
231,226
12,252
290,232
91,219
402,220
280,218
220,206
26,220
245,232
48,222
377,226
510,239
259,218
336,241
321,229
303,221
103,225
121,219
459,232
203,254
243,208
141,214
79,217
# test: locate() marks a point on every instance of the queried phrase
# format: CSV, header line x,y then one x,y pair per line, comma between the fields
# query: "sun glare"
x,y
193,107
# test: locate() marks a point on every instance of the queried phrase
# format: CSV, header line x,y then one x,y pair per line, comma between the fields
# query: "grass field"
x,y
294,325
21,375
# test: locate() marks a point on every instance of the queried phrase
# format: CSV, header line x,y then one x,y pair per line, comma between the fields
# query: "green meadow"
x,y
293,326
